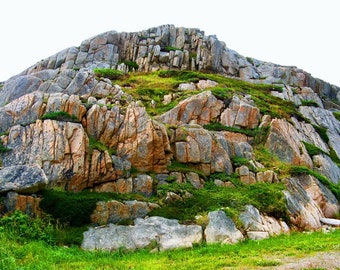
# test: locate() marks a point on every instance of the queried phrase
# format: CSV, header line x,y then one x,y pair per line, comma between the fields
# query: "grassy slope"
x,y
246,255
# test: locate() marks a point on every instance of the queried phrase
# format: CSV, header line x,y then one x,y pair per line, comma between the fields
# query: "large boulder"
x,y
22,179
284,141
198,109
241,113
165,233
259,226
114,211
308,201
221,229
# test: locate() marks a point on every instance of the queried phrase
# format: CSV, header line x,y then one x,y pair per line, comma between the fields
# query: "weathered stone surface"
x,y
114,211
308,201
221,229
142,184
167,233
326,119
24,203
58,148
324,165
199,109
24,110
143,142
209,150
241,113
284,141
254,222
330,221
246,176
22,178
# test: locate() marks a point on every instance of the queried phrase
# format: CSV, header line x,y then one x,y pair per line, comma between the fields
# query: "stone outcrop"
x,y
258,226
109,143
24,203
198,109
241,113
284,141
221,229
114,211
308,201
158,232
22,178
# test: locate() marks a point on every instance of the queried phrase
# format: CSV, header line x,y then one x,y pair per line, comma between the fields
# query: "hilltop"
x,y
171,124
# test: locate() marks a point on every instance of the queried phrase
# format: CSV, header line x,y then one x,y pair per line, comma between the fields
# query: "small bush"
x,y
22,228
109,73
60,116
219,127
95,144
309,103
337,115
313,150
131,65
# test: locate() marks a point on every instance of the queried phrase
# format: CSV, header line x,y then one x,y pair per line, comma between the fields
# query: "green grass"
x,y
268,198
337,115
75,208
245,255
155,85
95,144
60,116
109,73
312,149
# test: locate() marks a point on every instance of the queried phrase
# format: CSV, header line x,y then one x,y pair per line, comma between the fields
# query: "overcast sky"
x,y
302,33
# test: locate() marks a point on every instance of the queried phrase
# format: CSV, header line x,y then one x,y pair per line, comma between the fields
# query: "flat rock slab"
x,y
330,221
22,179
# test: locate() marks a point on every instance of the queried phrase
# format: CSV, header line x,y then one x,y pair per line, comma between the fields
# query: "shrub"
x,y
219,127
337,115
109,73
75,209
268,198
95,144
132,65
60,116
312,149
22,228
309,103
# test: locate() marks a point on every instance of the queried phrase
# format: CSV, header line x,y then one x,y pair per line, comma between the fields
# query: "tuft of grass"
x,y
313,150
309,103
132,65
95,144
60,116
268,198
176,166
75,209
337,115
109,73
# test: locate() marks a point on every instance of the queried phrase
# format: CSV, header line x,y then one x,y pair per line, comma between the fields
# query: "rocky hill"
x,y
177,118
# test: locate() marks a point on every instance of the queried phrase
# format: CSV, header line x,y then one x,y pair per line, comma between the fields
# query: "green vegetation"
x,y
4,149
155,85
18,253
95,144
109,73
170,48
176,166
309,103
337,115
60,116
313,150
131,65
75,208
268,198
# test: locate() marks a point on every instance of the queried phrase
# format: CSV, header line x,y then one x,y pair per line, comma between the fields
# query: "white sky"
x,y
302,33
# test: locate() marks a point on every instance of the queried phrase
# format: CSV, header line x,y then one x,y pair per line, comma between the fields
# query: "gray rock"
x,y
253,235
166,233
221,229
22,179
